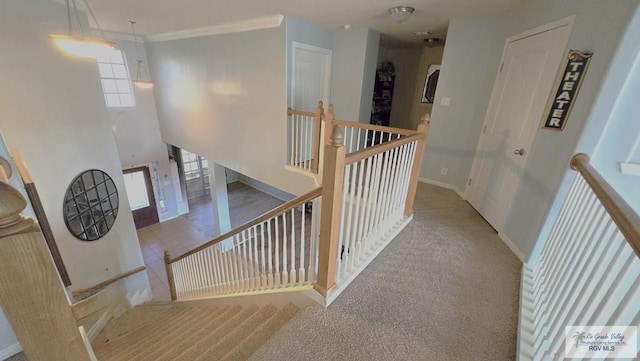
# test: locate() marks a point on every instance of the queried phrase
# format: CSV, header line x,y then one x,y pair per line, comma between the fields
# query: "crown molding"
x,y
118,36
265,22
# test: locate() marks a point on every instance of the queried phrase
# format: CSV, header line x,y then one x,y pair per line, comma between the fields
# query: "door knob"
x,y
519,151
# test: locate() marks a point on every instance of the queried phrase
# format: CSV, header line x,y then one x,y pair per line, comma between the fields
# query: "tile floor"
x,y
183,233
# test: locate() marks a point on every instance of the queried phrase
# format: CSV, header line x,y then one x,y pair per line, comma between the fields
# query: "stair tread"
x,y
157,343
237,335
124,347
195,349
105,343
261,334
199,329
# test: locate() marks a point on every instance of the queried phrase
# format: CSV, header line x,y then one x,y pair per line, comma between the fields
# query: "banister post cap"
x,y
425,119
337,136
12,203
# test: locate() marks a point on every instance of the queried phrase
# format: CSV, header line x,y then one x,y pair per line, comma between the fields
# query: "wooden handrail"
x,y
380,148
300,112
106,283
620,211
379,128
272,213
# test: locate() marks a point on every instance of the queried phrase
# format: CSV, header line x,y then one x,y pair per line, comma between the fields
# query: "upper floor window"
x,y
116,82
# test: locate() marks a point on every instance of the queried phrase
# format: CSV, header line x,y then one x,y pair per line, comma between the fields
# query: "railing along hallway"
x,y
304,138
588,272
368,198
358,136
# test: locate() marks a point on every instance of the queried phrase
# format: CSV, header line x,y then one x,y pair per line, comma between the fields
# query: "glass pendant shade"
x,y
83,47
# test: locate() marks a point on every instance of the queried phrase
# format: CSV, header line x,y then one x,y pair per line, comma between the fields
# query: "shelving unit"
x,y
383,94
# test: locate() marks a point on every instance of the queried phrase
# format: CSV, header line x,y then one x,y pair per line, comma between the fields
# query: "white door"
x,y
311,76
527,74
310,82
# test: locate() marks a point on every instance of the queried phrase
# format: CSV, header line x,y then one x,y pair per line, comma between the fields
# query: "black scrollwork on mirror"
x,y
90,205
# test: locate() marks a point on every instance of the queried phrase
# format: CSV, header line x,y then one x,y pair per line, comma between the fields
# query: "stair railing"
x,y
358,136
588,272
274,251
368,197
369,181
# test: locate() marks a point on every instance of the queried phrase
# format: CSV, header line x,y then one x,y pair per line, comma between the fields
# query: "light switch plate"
x,y
445,101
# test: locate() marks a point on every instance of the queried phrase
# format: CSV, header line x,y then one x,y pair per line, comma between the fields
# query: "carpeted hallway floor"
x,y
445,289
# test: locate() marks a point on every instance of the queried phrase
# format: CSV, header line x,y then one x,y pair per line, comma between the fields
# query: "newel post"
x,y
332,182
328,125
31,293
317,131
170,279
423,128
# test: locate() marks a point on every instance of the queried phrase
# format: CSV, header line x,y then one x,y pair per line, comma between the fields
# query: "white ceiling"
x,y
161,16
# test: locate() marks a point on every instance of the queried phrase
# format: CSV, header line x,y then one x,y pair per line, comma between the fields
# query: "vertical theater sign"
x,y
568,88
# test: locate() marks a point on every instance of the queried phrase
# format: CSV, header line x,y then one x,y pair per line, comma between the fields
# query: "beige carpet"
x,y
445,289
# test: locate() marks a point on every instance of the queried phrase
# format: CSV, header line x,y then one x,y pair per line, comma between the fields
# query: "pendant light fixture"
x,y
139,82
400,13
81,45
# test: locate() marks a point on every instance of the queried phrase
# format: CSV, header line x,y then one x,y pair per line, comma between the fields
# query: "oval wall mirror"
x,y
90,205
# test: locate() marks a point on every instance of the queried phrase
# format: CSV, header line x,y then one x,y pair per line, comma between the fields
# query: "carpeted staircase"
x,y
154,332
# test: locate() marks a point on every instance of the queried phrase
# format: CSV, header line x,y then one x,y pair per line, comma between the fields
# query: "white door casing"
x,y
523,86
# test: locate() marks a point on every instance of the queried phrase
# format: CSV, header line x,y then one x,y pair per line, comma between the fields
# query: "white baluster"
x,y
277,275
292,273
285,269
366,204
345,244
303,239
313,246
256,255
356,243
270,254
375,196
263,267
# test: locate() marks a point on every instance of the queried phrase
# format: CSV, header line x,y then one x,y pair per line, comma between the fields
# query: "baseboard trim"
x,y
263,187
7,352
512,246
443,185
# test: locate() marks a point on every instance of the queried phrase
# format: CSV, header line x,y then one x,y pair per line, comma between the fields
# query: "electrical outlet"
x,y
445,101
444,171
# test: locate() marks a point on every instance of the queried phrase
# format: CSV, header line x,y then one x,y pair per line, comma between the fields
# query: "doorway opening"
x,y
196,175
142,201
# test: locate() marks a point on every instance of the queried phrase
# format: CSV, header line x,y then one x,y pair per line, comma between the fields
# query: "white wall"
x,y
369,75
224,97
469,65
137,134
354,60
620,141
455,130
52,109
